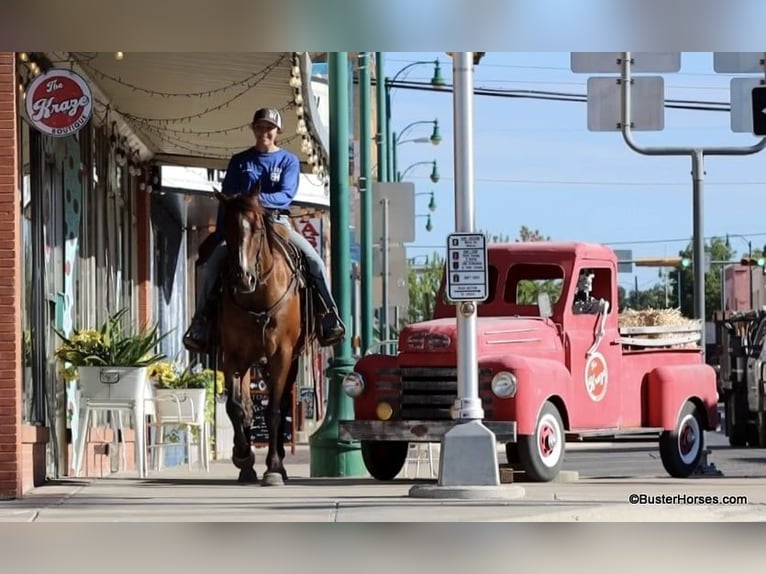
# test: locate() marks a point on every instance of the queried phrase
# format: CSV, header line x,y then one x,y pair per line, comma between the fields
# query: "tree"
x,y
719,251
424,280
423,285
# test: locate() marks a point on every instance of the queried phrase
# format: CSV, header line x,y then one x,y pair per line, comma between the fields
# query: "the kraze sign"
x,y
59,103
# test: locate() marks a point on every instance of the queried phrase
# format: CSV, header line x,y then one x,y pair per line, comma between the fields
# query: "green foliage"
x,y
113,345
424,280
719,251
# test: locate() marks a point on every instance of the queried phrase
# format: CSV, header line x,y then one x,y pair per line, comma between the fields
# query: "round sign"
x,y
59,103
596,376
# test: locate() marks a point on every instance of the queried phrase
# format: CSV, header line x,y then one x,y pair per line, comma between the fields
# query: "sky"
x,y
537,164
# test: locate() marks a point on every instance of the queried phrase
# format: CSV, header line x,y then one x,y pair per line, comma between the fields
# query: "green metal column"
x,y
391,176
329,455
382,101
365,153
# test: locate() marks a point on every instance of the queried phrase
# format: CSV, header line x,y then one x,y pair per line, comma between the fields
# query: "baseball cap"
x,y
268,115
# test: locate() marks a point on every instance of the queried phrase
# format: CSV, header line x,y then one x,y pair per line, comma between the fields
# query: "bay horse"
x,y
260,325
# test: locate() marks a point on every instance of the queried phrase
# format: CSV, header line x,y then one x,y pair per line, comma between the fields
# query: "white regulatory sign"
x,y
467,278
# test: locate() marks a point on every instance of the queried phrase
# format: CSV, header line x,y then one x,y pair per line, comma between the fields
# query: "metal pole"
x,y
723,289
468,404
395,167
356,298
697,176
384,272
391,176
469,449
750,267
382,103
698,250
329,455
365,191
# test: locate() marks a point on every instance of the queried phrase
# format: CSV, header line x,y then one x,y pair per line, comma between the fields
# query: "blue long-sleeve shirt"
x,y
278,171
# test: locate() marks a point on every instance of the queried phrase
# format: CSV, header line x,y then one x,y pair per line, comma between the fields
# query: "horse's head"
x,y
245,233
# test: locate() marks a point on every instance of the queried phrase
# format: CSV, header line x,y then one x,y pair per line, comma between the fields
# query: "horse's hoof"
x,y
248,476
272,479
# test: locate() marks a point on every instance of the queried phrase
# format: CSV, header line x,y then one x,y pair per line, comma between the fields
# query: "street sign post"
x,y
604,95
624,260
741,96
468,459
697,159
611,62
467,278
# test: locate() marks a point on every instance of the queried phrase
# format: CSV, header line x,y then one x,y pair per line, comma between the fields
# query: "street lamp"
x,y
429,227
434,171
435,139
437,81
431,201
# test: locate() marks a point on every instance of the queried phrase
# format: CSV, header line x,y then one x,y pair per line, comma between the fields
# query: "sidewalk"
x,y
177,495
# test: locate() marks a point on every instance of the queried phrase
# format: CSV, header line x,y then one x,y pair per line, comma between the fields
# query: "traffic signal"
x,y
685,262
753,261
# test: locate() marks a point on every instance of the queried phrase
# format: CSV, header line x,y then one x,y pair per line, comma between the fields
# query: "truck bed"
x,y
661,337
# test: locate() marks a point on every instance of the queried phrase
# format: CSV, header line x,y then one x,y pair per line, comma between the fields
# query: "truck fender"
x,y
539,380
667,389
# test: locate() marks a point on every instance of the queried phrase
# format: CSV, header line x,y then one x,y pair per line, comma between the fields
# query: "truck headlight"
x,y
504,385
353,385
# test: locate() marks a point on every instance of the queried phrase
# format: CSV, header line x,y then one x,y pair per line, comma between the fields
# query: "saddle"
x,y
299,266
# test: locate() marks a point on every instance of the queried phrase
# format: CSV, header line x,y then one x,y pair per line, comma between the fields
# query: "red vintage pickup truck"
x,y
553,363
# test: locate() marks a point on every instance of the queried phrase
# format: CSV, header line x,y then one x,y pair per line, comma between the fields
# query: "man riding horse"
x,y
276,171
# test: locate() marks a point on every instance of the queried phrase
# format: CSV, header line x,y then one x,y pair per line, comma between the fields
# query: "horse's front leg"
x,y
279,369
239,407
286,408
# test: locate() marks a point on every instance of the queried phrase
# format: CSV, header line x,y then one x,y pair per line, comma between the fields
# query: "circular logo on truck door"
x,y
59,103
596,376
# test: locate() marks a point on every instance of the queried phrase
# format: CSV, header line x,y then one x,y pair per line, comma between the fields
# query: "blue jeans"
x,y
215,263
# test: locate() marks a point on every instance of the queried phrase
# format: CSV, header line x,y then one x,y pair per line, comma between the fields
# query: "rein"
x,y
262,318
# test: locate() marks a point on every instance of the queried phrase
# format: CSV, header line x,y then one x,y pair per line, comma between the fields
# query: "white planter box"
x,y
180,405
114,383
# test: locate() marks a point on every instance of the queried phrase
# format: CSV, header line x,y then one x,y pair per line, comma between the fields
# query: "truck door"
x,y
594,357
756,365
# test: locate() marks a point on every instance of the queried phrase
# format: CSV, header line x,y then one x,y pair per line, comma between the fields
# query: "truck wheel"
x,y
681,448
384,459
542,454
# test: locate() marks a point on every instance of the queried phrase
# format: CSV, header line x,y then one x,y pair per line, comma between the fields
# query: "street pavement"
x,y
608,475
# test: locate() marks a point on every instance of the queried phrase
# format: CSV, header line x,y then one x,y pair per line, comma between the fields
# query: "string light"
x,y
118,56
256,77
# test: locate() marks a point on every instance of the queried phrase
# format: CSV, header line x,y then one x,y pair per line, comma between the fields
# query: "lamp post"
x,y
437,80
365,192
435,139
434,171
329,456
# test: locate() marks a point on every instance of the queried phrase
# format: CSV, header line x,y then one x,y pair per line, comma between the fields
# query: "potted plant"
x,y
198,384
184,396
110,362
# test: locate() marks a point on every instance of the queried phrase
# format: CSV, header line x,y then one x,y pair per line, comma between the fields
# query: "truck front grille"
x,y
428,393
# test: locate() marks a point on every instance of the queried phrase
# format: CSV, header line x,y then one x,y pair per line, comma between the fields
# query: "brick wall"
x,y
10,281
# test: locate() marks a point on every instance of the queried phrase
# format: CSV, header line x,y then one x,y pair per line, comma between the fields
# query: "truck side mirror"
x,y
763,370
544,305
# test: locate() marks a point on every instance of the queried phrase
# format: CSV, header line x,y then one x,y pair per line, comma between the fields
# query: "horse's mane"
x,y
247,202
